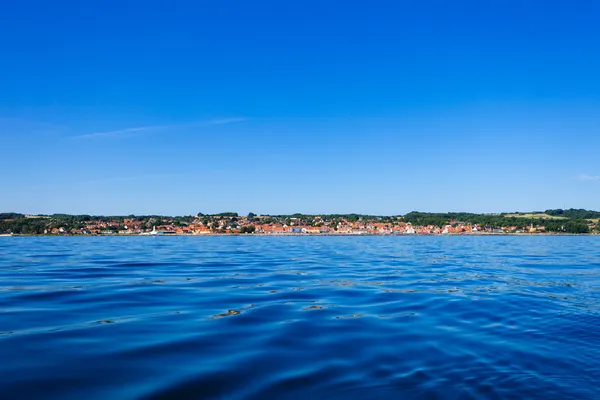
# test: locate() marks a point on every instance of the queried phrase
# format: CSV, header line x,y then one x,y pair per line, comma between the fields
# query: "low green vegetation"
x,y
574,213
520,222
534,216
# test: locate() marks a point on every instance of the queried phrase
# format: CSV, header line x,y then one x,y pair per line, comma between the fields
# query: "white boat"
x,y
154,232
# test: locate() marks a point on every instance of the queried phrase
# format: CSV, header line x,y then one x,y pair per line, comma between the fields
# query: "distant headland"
x,y
571,221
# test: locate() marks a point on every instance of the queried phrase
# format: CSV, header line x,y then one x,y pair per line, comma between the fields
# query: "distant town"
x,y
573,221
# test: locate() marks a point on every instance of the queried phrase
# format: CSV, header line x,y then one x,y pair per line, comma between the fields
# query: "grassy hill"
x,y
534,216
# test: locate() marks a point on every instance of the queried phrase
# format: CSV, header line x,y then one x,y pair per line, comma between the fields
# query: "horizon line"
x,y
294,214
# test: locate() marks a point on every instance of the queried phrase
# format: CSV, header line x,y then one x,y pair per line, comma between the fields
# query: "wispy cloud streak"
x,y
134,131
585,177
224,121
115,134
132,178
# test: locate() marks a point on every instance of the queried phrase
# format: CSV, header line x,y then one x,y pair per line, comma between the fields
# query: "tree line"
x,y
497,221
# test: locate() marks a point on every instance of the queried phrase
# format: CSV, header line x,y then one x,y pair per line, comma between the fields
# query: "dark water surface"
x,y
293,317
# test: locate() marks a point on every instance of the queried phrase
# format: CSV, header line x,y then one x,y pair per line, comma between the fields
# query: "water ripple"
x,y
291,317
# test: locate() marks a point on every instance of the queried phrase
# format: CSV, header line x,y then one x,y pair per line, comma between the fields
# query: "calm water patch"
x,y
291,317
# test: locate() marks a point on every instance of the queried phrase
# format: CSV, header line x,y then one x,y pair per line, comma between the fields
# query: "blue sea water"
x,y
300,317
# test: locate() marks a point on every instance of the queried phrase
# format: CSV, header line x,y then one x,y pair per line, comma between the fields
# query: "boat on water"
x,y
153,233
6,234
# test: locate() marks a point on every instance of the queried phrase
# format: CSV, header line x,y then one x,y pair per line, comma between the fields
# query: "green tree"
x,y
248,229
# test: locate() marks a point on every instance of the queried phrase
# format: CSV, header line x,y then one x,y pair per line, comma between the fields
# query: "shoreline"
x,y
312,235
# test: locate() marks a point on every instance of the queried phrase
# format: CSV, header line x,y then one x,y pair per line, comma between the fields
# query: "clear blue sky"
x,y
180,107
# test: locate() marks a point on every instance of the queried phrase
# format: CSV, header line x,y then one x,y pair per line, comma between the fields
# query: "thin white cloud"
x,y
132,131
223,121
585,177
128,178
114,134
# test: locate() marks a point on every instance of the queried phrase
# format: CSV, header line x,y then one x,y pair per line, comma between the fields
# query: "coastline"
x,y
314,235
